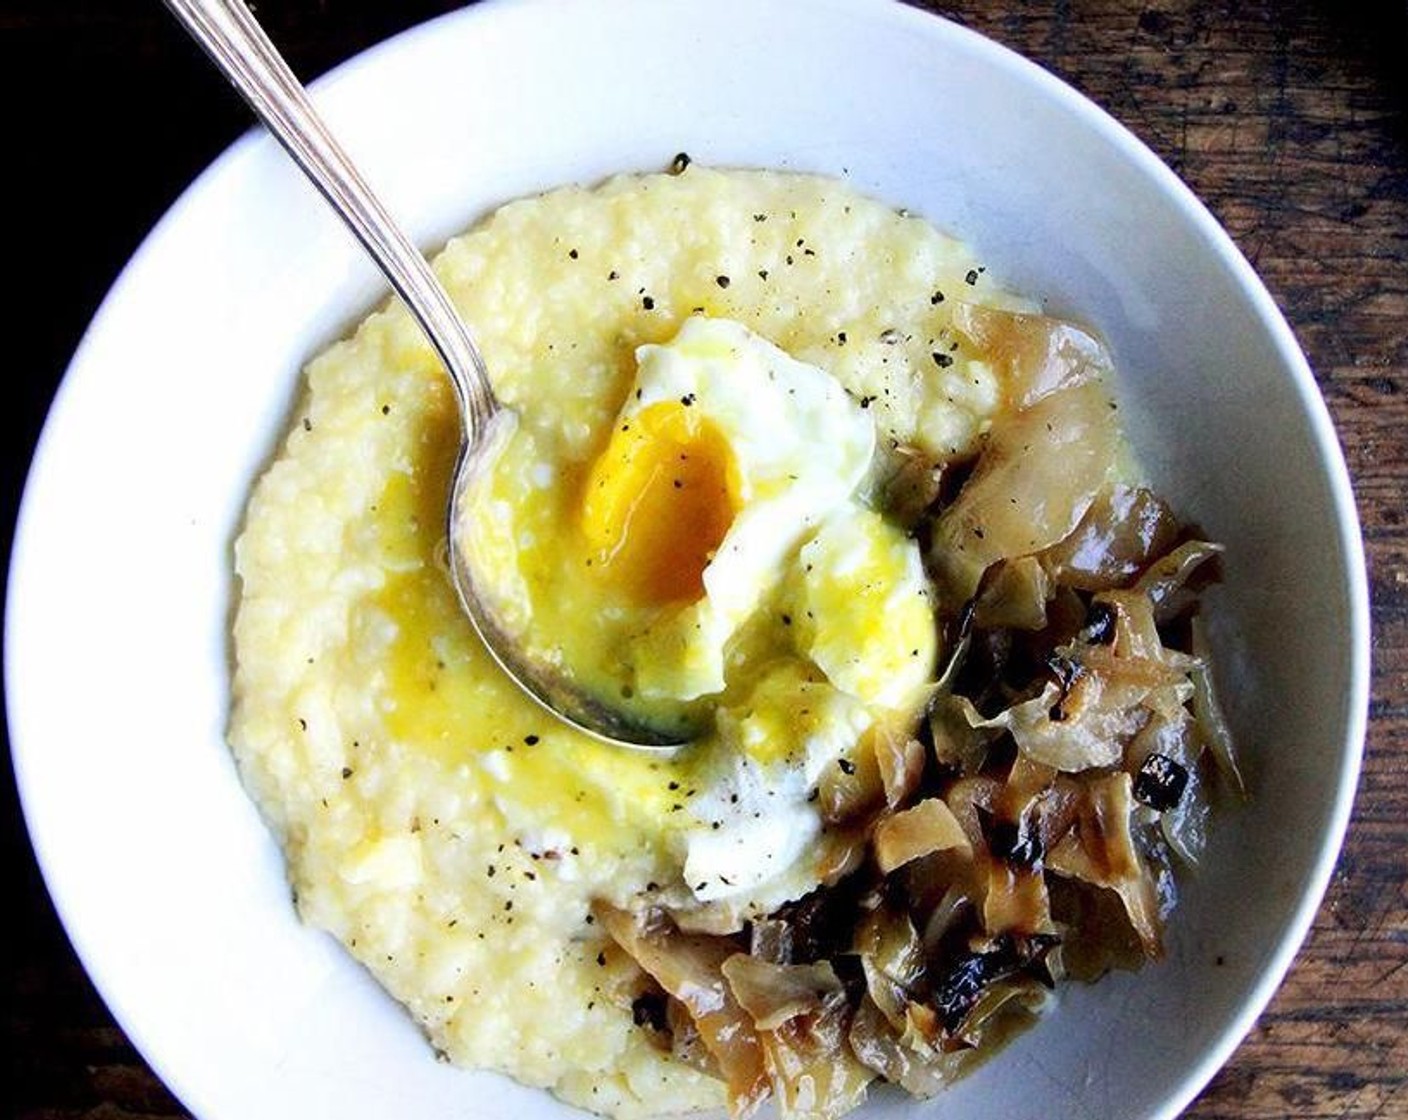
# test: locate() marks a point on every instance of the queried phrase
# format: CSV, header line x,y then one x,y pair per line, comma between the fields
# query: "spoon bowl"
x,y
232,37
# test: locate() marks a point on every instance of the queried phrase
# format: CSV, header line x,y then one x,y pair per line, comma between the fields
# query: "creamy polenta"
x,y
450,834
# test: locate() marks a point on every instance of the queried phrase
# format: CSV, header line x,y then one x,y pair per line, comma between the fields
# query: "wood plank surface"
x,y
1286,116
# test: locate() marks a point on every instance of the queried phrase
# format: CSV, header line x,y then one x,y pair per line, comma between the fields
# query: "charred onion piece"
x,y
960,988
1160,782
1099,628
651,1009
1015,842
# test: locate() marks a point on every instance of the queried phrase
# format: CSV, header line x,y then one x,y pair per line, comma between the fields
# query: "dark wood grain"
x,y
1288,118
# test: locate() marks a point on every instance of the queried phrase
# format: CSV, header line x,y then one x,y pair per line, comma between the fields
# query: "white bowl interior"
x,y
117,649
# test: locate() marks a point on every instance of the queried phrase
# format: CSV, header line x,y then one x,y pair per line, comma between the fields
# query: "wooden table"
x,y
1286,116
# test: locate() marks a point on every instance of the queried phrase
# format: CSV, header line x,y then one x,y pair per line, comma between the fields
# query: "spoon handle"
x,y
236,43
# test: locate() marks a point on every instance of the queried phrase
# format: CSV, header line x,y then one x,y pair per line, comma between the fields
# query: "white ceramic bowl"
x,y
118,655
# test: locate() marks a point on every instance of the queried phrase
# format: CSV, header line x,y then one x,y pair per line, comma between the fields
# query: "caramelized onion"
x,y
1122,531
900,760
1166,581
1033,355
774,993
878,1047
958,744
1211,721
1101,851
810,1064
1103,695
892,960
1034,481
690,968
1015,901
850,788
929,826
909,485
1014,595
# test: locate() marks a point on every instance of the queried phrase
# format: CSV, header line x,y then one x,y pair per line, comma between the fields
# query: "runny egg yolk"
x,y
659,501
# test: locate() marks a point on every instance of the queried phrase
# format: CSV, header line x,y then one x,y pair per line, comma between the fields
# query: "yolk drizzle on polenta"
x,y
444,696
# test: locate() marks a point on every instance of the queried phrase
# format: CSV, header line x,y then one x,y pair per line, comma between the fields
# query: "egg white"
x,y
846,585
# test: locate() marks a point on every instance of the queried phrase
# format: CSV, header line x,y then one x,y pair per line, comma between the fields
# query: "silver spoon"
x,y
237,45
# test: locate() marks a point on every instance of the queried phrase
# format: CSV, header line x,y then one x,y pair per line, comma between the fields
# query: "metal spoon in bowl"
x,y
237,44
